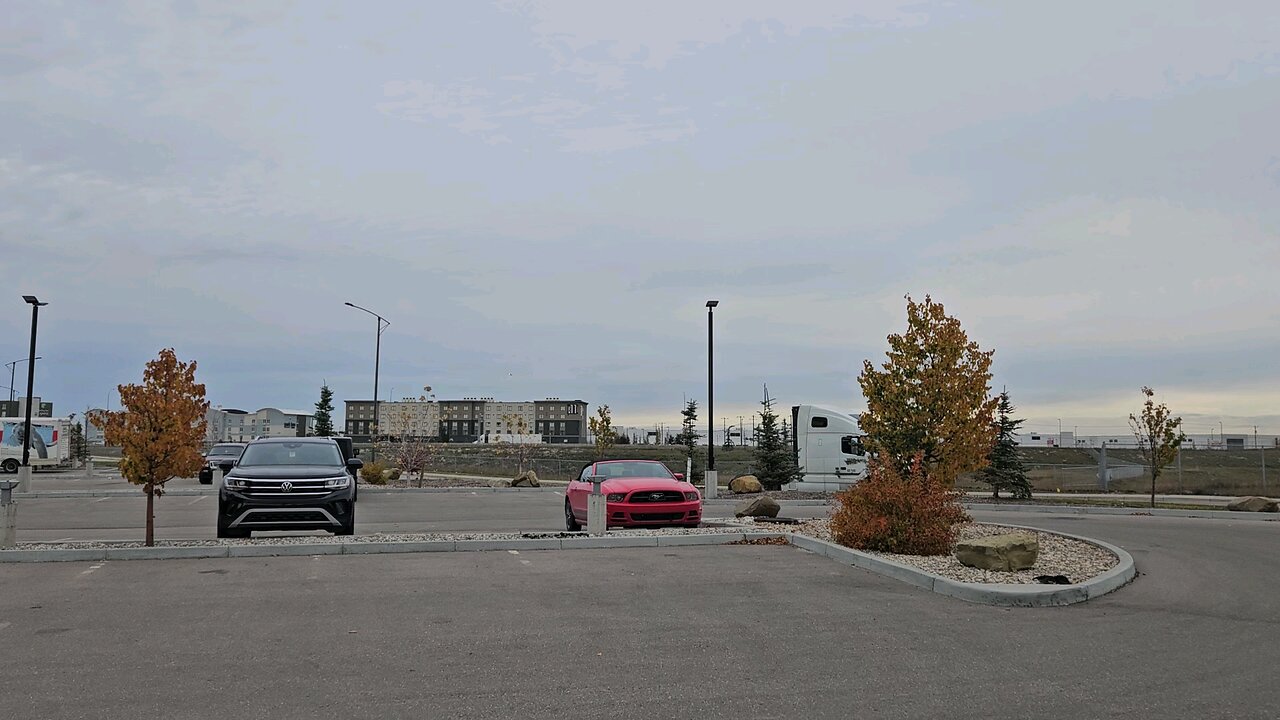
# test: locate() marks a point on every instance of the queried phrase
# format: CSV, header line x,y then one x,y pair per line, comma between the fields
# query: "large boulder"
x,y
1006,553
528,478
746,484
1254,504
763,506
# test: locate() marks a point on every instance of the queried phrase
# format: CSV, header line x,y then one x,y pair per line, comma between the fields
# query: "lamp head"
x,y
31,299
712,303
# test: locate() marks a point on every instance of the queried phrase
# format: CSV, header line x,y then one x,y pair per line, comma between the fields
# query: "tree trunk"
x,y
151,516
1153,488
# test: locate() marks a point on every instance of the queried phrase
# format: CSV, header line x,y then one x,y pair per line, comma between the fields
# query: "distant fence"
x,y
1196,472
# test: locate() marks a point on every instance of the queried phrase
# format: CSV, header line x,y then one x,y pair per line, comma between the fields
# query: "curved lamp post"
x,y
383,324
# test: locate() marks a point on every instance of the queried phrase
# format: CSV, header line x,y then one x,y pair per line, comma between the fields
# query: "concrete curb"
x,y
581,542
1156,512
986,593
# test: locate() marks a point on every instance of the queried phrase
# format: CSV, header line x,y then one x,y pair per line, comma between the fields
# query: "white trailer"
x,y
829,448
50,443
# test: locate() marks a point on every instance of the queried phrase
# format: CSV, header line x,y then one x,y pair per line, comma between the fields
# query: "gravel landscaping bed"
x,y
781,495
375,538
1075,559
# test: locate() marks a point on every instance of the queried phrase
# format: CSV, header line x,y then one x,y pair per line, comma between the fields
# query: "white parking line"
x,y
91,569
525,562
3,625
514,552
559,493
193,502
101,499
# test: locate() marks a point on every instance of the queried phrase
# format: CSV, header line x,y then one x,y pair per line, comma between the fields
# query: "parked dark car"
x,y
215,457
288,484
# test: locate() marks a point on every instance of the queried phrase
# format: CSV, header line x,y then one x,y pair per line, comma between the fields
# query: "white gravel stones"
x,y
1059,555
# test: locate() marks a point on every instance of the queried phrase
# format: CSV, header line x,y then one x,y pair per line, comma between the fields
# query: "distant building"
x,y
232,425
469,420
18,408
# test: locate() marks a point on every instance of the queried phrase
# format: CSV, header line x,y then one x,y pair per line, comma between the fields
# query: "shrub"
x,y
394,475
374,473
887,512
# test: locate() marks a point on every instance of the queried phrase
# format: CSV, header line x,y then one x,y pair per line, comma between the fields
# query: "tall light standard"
x,y
709,486
12,366
25,480
383,324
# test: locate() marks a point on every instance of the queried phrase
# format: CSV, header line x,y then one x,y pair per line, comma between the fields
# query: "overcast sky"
x,y
541,196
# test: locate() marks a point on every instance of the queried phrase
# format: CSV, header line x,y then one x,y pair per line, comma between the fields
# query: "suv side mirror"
x,y
226,465
355,464
679,476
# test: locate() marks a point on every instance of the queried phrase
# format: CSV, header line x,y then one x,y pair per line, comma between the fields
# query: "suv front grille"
x,y
277,488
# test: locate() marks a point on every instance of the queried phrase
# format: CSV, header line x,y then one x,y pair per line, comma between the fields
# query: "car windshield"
x,y
641,469
225,450
288,453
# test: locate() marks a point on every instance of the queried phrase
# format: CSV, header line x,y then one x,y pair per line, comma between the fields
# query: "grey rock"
x,y
757,507
528,478
1005,553
1254,504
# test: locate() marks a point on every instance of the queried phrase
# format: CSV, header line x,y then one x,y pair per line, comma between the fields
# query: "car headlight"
x,y
691,495
615,497
235,483
337,483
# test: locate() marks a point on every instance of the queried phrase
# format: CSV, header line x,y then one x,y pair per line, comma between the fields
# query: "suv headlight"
x,y
337,483
235,483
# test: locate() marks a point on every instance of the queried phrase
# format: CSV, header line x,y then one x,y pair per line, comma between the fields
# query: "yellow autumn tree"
x,y
931,397
161,428
602,428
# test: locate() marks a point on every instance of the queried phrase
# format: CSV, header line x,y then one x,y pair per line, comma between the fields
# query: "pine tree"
x,y
775,463
1005,470
689,435
78,445
324,413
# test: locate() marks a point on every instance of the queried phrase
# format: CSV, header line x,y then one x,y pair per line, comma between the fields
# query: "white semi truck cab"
x,y
828,446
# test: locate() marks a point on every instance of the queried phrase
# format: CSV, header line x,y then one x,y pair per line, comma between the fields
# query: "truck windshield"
x,y
291,454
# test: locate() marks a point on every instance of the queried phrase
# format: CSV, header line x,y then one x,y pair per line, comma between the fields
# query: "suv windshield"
x,y
225,450
633,469
288,453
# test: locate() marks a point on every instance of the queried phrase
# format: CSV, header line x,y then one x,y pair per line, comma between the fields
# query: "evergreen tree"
x,y
1005,470
78,445
689,435
775,463
324,413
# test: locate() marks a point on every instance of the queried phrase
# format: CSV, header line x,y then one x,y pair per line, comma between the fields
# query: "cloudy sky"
x,y
541,196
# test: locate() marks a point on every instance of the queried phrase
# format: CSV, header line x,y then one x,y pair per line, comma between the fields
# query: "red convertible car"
x,y
639,493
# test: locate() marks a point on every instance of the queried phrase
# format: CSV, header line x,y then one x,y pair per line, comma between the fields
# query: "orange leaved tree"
x,y
931,397
161,428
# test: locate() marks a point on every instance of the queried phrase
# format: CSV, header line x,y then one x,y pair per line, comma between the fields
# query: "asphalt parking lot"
x,y
708,632
183,517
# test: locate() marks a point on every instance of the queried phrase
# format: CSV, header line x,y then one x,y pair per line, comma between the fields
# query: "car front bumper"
x,y
321,512
625,514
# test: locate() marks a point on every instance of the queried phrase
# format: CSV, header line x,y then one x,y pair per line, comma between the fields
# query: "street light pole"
x,y
31,380
13,366
709,485
383,324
